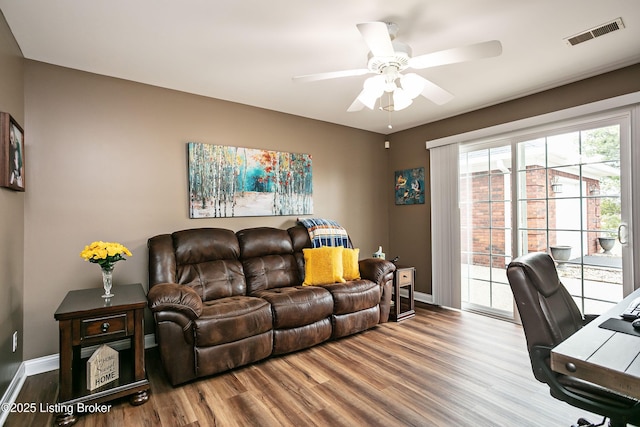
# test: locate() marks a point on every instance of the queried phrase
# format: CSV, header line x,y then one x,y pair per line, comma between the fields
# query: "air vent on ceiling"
x,y
598,31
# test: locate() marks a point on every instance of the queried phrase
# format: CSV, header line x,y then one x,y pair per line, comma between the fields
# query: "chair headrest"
x,y
541,270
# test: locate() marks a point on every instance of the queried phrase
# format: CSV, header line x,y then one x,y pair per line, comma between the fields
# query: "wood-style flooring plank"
x,y
440,368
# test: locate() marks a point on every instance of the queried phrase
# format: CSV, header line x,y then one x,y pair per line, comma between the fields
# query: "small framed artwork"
x,y
409,188
11,153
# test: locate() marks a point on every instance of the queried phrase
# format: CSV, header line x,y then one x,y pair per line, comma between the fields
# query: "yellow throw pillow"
x,y
350,267
323,266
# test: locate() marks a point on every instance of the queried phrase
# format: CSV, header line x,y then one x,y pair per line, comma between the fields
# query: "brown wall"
x,y
108,162
11,216
409,226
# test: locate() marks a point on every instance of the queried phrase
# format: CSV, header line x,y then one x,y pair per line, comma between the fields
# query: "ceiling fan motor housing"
x,y
400,59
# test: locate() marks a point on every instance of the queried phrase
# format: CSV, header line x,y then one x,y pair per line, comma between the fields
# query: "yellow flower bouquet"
x,y
105,253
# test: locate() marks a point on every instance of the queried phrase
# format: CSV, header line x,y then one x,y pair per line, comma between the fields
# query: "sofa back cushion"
x,y
206,259
267,259
301,240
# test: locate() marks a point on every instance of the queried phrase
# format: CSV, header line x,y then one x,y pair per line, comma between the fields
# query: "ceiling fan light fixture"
x,y
372,89
401,99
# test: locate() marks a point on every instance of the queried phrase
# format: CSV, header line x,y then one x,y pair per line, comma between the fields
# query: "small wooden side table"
x,y
85,319
403,306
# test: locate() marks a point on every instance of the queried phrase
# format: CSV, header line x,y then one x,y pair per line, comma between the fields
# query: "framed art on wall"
x,y
409,189
11,153
235,181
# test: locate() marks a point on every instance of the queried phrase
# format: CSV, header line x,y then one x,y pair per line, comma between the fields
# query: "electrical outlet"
x,y
15,341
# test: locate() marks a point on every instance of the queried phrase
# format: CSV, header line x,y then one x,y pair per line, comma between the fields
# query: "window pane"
x,y
565,182
563,150
501,214
500,160
533,184
533,214
533,241
565,214
602,179
532,153
601,144
479,188
499,239
608,212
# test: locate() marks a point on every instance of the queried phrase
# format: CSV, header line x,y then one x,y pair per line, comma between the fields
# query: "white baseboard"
x,y
52,362
12,391
43,364
422,297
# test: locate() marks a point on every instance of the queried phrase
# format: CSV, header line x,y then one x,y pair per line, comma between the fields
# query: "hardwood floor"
x,y
441,368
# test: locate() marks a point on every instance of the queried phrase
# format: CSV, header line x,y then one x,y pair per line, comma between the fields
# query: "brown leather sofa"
x,y
222,299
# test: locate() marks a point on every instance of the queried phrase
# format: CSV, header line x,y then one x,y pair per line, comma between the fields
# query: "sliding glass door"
x,y
485,227
570,204
568,197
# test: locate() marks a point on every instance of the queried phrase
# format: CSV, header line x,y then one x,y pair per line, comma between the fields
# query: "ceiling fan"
x,y
388,58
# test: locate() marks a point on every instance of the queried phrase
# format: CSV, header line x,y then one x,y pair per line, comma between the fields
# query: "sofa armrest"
x,y
376,269
175,297
380,271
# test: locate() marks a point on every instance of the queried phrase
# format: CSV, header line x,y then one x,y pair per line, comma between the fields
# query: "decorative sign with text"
x,y
102,367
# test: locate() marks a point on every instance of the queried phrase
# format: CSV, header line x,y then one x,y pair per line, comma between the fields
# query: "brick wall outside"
x,y
490,212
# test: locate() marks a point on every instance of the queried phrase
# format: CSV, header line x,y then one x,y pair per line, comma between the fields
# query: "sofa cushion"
x,y
267,258
270,271
323,265
297,305
231,319
261,241
205,244
206,259
214,279
354,296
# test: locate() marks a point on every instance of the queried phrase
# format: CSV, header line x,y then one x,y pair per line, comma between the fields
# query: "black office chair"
x,y
549,316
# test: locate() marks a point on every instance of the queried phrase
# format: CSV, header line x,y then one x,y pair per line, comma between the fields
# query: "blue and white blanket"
x,y
325,232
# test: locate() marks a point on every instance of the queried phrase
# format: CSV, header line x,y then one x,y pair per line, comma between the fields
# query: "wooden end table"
x,y
403,307
87,319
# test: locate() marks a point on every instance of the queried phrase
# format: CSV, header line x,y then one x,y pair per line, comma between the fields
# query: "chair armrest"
x,y
175,297
376,269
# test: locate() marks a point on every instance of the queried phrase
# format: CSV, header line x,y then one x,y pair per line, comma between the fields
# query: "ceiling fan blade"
x,y
435,93
376,35
355,106
457,54
330,75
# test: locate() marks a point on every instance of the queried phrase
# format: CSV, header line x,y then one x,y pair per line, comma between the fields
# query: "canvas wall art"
x,y
409,187
235,181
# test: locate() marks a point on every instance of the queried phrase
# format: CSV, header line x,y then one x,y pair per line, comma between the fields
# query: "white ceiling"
x,y
247,51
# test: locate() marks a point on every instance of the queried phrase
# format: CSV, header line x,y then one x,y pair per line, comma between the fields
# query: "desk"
x,y
602,356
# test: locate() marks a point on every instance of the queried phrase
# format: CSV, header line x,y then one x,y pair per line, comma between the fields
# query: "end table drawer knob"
x,y
105,326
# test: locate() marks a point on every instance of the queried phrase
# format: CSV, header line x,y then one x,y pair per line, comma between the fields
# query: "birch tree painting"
x,y
234,181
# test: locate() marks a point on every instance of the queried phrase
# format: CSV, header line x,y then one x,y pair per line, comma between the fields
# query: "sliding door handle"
x,y
623,233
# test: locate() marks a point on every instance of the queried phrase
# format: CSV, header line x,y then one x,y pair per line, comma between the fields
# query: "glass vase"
x,y
107,280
